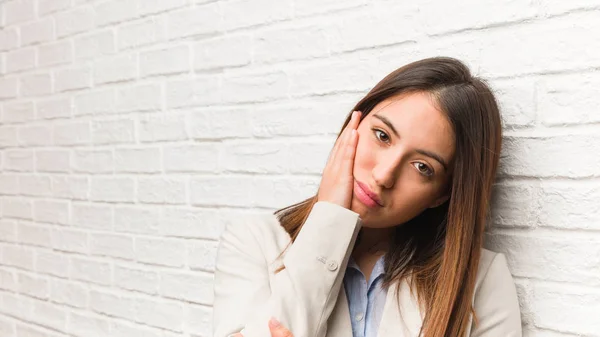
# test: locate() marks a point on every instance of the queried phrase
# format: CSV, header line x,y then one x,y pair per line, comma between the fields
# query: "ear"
x,y
440,200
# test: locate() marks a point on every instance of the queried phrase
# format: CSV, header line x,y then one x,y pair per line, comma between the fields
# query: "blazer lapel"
x,y
400,319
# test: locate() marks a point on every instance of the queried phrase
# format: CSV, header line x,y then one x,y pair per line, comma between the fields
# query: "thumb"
x,y
278,330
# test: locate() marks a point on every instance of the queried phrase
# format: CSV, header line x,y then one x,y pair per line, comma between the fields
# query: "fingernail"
x,y
273,323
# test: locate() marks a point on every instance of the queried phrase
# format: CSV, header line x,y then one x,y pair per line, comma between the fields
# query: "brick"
x,y
308,41
238,14
18,11
566,308
35,185
72,133
162,127
200,20
72,79
9,39
236,191
73,21
53,161
333,77
143,220
8,136
87,325
35,85
115,11
74,188
146,97
67,240
198,319
55,53
95,102
536,156
162,190
18,160
202,255
39,135
52,263
8,281
50,315
191,158
189,287
145,281
8,230
90,271
112,189
199,91
113,131
20,60
140,160
17,256
517,101
157,6
8,88
37,32
33,286
92,216
224,51
165,61
255,87
18,112
263,157
311,7
159,313
571,259
93,161
19,307
53,108
110,245
162,252
7,327
112,305
191,223
50,6
69,293
559,103
9,184
140,33
118,68
34,235
94,45
121,329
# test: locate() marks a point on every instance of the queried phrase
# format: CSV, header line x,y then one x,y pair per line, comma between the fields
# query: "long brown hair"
x,y
439,250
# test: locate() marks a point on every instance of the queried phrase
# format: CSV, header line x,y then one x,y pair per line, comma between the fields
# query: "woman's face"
x,y
404,155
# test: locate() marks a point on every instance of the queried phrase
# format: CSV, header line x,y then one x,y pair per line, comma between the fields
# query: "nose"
x,y
386,171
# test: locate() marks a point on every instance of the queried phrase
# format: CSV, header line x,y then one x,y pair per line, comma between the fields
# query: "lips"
x,y
370,193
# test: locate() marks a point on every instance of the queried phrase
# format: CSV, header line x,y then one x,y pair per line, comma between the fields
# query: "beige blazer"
x,y
308,295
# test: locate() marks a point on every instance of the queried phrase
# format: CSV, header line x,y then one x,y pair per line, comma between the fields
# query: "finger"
x,y
238,335
278,330
349,154
343,139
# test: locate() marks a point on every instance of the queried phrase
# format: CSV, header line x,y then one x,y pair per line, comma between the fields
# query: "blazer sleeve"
x,y
301,296
496,303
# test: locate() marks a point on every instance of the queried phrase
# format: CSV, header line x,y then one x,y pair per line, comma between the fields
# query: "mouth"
x,y
366,195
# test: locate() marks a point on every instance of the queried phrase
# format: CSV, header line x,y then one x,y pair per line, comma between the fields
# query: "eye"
x,y
383,133
428,172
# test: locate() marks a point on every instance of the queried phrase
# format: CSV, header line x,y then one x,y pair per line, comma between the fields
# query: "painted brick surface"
x,y
133,132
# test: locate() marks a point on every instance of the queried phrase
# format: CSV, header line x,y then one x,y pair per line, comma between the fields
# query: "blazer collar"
x,y
403,318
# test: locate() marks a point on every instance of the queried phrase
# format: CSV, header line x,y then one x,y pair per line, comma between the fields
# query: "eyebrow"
x,y
421,151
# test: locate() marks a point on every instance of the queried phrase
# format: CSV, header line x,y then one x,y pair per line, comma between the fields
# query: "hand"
x,y
337,182
277,330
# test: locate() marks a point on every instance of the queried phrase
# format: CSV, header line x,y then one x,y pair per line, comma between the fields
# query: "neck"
x,y
373,241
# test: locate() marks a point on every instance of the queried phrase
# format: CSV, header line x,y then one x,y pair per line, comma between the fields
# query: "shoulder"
x,y
492,267
256,234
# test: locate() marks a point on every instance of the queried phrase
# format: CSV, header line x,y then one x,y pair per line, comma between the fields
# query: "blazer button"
x,y
332,265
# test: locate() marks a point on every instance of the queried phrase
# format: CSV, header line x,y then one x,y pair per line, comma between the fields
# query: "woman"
x,y
391,245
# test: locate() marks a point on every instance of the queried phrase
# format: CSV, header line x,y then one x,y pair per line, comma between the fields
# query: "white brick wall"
x,y
132,132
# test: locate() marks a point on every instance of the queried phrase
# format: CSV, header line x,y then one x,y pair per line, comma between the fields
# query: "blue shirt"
x,y
365,301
